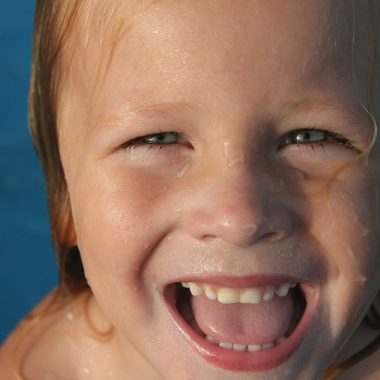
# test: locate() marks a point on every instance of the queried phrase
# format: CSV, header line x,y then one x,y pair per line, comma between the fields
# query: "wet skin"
x,y
232,195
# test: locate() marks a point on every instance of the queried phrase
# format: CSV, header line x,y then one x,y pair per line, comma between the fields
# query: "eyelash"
x,y
288,139
329,138
143,140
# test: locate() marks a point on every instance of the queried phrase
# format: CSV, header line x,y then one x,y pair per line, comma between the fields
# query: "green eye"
x,y
307,136
161,138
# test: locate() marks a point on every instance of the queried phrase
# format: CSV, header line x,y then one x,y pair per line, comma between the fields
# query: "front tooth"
x,y
209,292
195,289
239,347
269,293
254,347
227,296
251,295
185,284
282,290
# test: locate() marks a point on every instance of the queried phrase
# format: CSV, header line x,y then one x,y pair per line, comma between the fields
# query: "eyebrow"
x,y
164,110
351,118
352,113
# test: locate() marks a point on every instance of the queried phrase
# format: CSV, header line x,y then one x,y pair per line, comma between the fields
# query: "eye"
x,y
314,137
307,136
162,138
157,140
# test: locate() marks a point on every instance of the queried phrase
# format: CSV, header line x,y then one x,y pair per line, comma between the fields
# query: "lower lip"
x,y
248,361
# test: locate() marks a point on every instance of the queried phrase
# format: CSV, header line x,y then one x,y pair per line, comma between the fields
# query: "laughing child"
x,y
213,182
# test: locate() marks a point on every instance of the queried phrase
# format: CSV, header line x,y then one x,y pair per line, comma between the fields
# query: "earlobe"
x,y
72,279
63,224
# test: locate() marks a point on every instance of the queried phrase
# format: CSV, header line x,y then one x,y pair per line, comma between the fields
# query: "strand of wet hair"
x,y
334,372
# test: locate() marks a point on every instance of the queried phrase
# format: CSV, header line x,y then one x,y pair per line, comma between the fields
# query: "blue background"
x,y
27,267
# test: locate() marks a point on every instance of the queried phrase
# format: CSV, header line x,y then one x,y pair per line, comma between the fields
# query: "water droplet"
x,y
86,370
137,152
183,170
365,231
361,280
232,155
251,228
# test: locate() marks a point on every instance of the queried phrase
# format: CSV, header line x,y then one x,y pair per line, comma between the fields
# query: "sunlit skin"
x,y
225,190
246,75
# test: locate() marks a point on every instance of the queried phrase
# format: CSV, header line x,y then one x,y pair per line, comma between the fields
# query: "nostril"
x,y
271,236
209,238
238,215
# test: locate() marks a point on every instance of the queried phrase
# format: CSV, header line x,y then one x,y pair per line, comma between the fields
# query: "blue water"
x,y
27,266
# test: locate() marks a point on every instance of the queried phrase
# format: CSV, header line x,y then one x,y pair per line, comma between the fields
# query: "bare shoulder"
x,y
47,343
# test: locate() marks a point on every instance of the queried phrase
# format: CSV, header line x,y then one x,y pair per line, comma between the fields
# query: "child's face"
x,y
219,193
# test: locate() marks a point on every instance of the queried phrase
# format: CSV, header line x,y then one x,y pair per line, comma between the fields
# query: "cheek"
x,y
350,223
117,219
344,223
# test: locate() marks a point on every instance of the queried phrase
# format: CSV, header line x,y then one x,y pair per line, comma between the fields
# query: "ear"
x,y
64,232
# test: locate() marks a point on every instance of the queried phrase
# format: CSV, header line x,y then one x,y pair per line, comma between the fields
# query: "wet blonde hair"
x,y
56,25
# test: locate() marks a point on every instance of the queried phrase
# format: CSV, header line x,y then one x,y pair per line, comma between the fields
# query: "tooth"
x,y
282,290
251,295
210,293
185,284
239,347
269,293
265,346
225,345
254,347
195,289
227,296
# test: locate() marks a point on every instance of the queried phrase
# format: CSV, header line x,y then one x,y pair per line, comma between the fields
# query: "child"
x,y
212,176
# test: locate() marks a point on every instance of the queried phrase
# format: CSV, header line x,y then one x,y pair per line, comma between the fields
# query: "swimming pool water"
x,y
27,267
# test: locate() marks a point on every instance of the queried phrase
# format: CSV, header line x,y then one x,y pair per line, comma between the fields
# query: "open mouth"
x,y
251,328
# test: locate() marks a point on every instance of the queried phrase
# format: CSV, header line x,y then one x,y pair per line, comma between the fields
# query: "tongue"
x,y
243,323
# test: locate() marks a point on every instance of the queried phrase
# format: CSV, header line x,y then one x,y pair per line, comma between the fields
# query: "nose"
x,y
239,209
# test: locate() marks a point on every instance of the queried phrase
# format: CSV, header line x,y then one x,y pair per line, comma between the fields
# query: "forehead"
x,y
154,49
